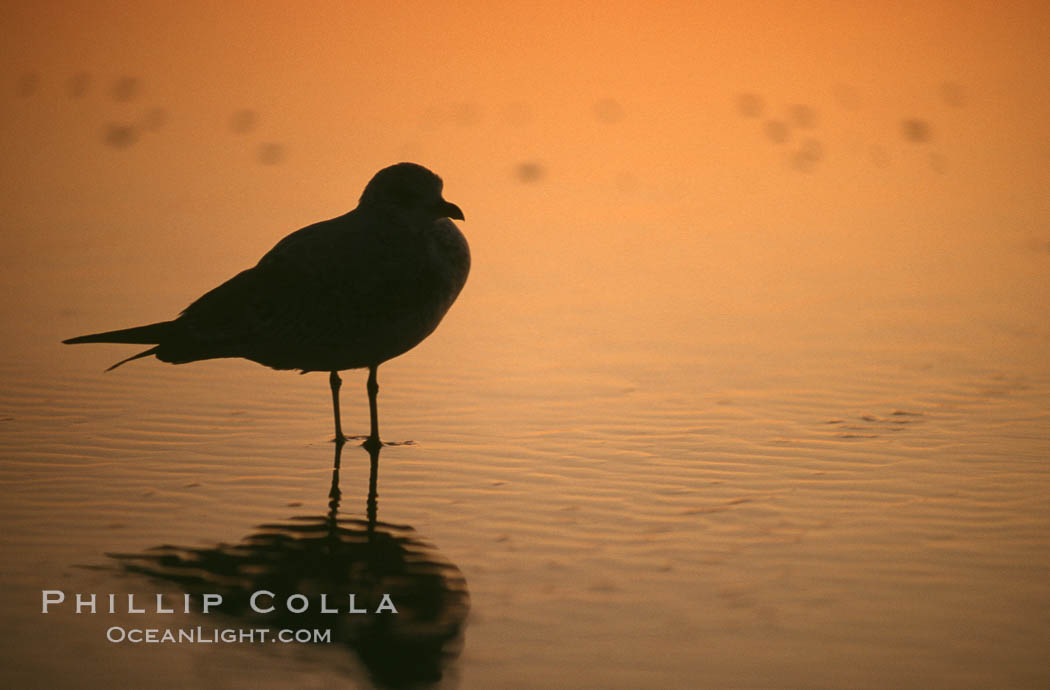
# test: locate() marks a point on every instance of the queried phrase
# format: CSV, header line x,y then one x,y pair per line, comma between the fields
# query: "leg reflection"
x,y
335,494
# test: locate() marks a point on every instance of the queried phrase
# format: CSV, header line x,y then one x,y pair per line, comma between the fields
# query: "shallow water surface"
x,y
635,500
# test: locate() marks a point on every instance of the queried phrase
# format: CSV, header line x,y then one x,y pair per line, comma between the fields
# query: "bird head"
x,y
409,190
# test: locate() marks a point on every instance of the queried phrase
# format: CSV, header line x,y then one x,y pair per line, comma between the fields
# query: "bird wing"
x,y
328,286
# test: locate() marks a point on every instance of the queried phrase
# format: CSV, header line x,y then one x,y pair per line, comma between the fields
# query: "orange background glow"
x,y
758,301
628,117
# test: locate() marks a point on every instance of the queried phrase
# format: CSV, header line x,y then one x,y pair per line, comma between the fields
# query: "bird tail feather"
x,y
146,335
144,353
149,334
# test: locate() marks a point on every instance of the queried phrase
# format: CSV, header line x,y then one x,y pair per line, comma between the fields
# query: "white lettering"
x,y
132,609
255,596
306,603
88,603
353,607
47,595
386,604
211,600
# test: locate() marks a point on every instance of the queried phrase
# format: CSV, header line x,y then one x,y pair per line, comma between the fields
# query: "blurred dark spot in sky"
x,y
272,153
608,110
126,89
803,163
244,121
78,85
813,149
466,114
518,113
846,96
154,119
915,129
529,171
938,163
879,157
1038,244
803,116
120,136
626,182
777,131
27,85
952,94
805,159
749,104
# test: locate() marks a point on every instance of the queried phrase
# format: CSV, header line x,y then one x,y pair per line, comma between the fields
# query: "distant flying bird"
x,y
345,293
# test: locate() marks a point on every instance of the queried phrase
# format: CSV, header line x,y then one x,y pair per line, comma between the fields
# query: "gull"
x,y
346,293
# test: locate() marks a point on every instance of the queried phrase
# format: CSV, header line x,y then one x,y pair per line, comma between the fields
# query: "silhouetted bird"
x,y
345,293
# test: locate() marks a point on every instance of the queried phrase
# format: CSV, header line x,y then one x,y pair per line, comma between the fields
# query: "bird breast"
x,y
424,299
450,255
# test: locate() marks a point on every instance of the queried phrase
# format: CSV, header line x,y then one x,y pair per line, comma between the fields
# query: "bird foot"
x,y
369,442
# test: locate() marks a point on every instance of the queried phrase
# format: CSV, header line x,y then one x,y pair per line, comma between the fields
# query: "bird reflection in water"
x,y
335,556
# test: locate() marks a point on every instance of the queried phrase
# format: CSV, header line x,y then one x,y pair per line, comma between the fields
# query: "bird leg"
x,y
373,411
336,382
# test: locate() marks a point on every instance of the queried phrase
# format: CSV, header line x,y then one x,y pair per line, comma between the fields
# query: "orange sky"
x,y
346,82
629,113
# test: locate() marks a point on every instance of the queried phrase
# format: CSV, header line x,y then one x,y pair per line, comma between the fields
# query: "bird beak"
x,y
450,210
